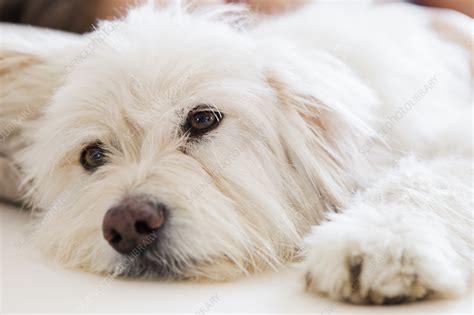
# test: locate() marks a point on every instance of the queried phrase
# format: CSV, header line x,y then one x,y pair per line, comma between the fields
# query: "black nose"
x,y
133,224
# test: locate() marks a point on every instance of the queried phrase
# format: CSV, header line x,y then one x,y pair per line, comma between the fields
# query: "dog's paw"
x,y
377,270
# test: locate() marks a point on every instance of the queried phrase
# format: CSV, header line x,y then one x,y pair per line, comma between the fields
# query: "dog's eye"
x,y
201,121
93,157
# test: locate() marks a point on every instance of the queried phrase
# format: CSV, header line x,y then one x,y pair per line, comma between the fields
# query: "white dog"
x,y
188,145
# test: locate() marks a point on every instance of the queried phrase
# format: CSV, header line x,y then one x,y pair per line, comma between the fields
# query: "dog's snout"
x,y
133,224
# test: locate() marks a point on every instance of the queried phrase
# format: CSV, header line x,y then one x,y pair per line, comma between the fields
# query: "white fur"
x,y
305,139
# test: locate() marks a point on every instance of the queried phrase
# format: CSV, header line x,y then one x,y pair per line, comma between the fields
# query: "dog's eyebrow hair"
x,y
205,105
133,126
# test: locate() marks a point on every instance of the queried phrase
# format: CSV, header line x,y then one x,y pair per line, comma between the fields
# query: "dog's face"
x,y
175,149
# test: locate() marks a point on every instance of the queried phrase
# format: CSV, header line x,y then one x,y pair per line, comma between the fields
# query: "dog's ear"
x,y
33,63
27,83
325,110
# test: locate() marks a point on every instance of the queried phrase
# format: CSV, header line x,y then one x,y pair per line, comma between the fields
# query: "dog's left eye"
x,y
93,157
201,120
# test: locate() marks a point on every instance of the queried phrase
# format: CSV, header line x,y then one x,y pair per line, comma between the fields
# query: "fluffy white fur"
x,y
317,136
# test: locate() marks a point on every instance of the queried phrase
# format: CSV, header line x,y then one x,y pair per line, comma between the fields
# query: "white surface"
x,y
32,283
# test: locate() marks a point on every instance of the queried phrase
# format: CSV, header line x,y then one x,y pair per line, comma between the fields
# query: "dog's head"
x,y
176,145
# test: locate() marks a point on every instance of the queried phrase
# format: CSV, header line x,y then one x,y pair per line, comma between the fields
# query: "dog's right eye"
x,y
93,157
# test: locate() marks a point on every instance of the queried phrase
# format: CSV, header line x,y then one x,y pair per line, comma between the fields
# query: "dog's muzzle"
x,y
133,224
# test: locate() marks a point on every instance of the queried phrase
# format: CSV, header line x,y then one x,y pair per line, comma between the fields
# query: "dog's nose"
x,y
133,224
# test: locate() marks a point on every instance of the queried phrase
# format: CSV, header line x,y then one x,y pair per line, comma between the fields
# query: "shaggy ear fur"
x,y
24,80
33,62
27,82
326,110
10,179
31,68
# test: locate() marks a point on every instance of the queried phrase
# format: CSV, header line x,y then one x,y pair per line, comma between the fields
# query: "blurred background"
x,y
79,16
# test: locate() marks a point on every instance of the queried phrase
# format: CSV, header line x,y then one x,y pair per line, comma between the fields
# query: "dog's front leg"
x,y
407,237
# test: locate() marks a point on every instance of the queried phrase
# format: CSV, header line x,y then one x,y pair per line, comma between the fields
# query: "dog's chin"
x,y
157,261
153,264
148,266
